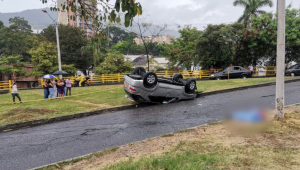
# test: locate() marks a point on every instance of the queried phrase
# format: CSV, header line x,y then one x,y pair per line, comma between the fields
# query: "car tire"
x,y
218,78
190,86
139,71
150,80
293,74
244,77
178,77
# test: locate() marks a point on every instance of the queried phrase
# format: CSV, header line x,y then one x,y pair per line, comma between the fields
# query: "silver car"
x,y
146,87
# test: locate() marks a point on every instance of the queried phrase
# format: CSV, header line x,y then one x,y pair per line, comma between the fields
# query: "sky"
x,y
197,13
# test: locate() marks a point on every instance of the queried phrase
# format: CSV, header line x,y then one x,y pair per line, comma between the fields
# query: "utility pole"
x,y
280,62
56,23
58,49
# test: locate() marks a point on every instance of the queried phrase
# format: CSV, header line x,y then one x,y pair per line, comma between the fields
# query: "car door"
x,y
225,72
297,70
236,72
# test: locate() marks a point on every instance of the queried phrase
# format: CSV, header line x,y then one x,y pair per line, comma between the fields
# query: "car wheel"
x,y
244,76
218,78
139,71
178,77
190,86
293,74
150,80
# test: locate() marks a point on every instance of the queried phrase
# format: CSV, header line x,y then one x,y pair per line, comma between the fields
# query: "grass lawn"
x,y
214,85
88,98
213,146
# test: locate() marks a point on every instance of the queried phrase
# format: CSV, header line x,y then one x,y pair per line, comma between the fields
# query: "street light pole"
x,y
56,23
280,60
58,49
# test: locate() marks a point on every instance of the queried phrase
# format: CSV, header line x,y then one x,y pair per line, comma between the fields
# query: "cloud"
x,y
197,13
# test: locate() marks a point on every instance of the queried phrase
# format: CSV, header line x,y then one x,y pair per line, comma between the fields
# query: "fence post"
x,y
183,74
41,82
166,74
72,79
200,74
9,85
103,81
119,77
266,68
228,73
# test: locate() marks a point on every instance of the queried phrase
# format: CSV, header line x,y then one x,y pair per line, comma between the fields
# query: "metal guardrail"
x,y
198,74
5,85
119,77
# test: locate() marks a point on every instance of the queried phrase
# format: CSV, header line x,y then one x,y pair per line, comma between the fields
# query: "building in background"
x,y
161,39
86,25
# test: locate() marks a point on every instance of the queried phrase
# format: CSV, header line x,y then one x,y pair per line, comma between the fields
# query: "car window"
x,y
294,67
228,68
236,68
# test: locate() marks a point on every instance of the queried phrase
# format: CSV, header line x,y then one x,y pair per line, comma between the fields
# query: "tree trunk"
x,y
148,62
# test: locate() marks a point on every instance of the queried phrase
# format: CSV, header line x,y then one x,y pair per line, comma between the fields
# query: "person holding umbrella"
x,y
50,85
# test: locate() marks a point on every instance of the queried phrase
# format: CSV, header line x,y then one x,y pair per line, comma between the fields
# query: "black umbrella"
x,y
60,73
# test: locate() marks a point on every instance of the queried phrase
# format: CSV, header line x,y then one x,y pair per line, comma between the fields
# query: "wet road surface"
x,y
37,146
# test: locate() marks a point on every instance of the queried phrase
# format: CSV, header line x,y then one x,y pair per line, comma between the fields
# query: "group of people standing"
x,y
57,88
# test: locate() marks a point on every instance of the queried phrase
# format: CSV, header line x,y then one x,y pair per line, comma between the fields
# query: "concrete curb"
x,y
15,126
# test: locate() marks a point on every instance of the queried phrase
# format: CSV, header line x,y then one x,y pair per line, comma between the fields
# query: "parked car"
x,y
146,87
293,70
234,72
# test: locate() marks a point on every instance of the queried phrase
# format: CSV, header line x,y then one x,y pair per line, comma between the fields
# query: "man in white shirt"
x,y
251,68
14,92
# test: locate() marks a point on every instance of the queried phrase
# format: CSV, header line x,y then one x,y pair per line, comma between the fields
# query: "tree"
x,y
118,35
98,47
262,36
181,53
128,47
1,24
44,58
88,8
11,65
252,7
71,40
13,40
114,63
21,23
144,29
222,45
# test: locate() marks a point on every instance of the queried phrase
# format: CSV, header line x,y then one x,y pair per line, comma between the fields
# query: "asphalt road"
x,y
37,146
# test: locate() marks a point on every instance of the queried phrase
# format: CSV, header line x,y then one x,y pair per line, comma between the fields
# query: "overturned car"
x,y
146,87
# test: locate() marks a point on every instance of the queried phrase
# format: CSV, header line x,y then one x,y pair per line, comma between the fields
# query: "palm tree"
x,y
252,7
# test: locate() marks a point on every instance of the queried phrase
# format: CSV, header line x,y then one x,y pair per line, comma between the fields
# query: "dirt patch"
x,y
25,114
93,104
28,110
21,116
276,147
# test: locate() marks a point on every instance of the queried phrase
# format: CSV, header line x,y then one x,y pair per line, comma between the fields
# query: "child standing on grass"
x,y
14,92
